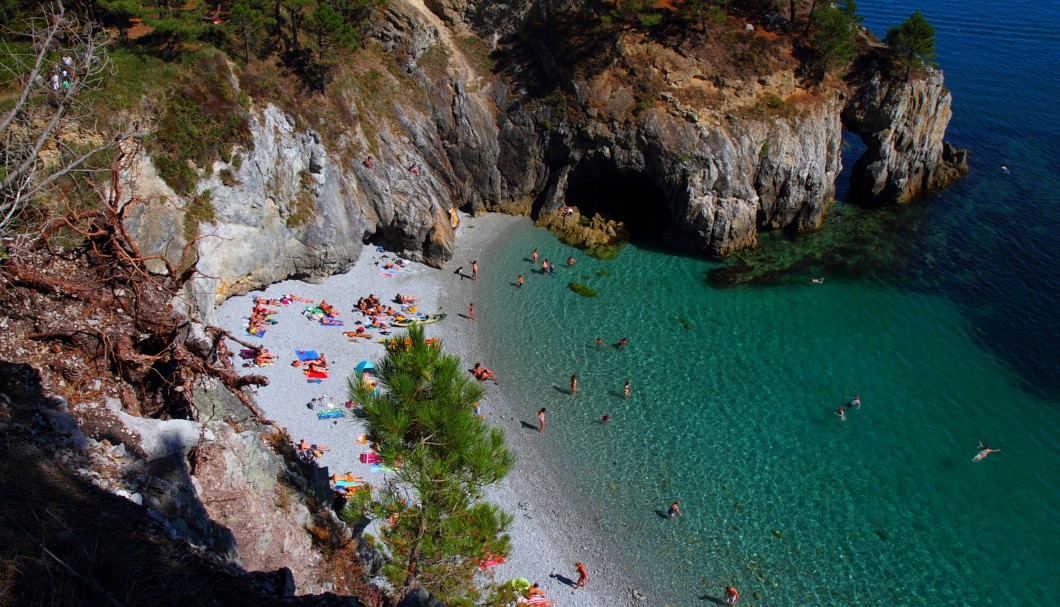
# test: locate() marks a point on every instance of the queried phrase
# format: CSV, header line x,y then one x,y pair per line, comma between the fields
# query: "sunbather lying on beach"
x,y
304,445
320,362
328,321
263,358
405,299
301,299
346,478
360,332
482,373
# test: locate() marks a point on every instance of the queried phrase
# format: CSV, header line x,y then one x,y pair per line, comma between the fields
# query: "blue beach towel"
x,y
304,355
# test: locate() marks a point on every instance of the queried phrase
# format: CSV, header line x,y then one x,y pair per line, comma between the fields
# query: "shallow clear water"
x,y
948,335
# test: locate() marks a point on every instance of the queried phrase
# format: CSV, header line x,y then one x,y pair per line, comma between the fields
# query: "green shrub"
x,y
580,289
201,124
774,102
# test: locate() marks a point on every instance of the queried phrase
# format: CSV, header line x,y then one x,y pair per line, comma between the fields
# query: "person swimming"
x,y
984,450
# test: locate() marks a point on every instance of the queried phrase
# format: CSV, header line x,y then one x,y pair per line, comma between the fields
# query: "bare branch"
x,y
67,58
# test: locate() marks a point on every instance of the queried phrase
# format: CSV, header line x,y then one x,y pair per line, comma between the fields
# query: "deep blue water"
x,y
946,329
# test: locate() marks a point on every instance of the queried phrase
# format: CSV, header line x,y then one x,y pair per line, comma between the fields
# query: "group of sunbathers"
x,y
260,316
371,306
482,373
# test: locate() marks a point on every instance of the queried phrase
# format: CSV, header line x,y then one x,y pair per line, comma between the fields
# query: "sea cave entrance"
x,y
597,186
852,150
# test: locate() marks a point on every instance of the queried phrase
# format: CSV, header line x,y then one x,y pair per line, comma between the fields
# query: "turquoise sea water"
x,y
947,335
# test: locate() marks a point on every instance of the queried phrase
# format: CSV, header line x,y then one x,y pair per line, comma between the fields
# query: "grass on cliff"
x,y
203,121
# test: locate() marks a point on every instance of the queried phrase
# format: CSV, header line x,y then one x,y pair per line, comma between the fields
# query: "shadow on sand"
x,y
562,579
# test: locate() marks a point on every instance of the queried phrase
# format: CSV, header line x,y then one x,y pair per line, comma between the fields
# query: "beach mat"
x,y
307,354
334,414
314,374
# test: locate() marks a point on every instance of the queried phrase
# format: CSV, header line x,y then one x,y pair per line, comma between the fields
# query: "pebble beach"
x,y
552,529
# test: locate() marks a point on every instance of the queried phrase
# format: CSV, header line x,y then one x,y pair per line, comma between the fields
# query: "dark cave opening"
x,y
597,186
852,150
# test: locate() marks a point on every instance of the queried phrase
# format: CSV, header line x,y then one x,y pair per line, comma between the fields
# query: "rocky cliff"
x,y
903,123
521,108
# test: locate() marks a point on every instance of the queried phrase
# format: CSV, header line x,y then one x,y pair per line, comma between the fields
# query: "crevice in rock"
x,y
631,197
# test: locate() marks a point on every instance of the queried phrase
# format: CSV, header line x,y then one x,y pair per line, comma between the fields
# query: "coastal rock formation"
x,y
902,122
722,153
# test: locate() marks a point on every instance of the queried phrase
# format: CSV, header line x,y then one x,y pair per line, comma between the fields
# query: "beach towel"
x,y
247,354
493,562
535,601
380,468
332,414
342,483
307,354
256,332
314,374
370,458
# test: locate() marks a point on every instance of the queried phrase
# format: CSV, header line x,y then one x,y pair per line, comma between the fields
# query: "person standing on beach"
x,y
574,385
541,420
533,256
519,281
471,311
625,389
474,270
583,575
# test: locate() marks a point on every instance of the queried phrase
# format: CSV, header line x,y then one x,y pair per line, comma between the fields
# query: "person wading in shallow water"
x,y
541,420
574,385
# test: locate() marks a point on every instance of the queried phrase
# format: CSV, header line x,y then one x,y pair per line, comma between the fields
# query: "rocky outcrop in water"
x,y
903,123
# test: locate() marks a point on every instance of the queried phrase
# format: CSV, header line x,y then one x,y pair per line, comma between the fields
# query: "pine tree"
x,y
913,41
443,455
832,40
249,18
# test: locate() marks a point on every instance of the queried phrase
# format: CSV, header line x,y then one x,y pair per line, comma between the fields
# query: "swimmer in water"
x,y
842,412
984,450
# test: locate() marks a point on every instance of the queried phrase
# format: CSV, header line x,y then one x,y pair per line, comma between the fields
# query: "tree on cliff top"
x,y
832,40
913,42
443,455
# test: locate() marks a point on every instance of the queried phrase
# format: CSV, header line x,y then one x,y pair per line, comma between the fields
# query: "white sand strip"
x,y
551,531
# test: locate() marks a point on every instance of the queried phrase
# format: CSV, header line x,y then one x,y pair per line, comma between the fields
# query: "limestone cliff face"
x,y
728,164
902,122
